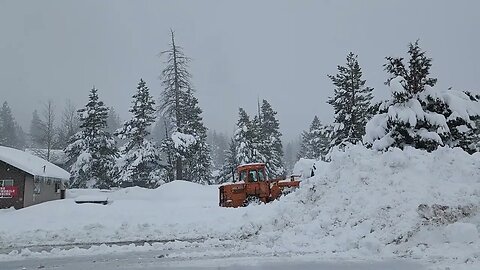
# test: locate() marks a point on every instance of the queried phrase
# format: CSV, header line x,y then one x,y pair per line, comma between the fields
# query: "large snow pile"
x,y
394,203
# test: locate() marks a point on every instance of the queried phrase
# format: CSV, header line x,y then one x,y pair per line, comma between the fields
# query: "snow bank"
x,y
366,203
176,210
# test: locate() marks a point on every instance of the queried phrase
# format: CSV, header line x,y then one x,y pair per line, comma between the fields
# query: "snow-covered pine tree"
x,y
219,144
243,138
416,76
186,143
21,137
351,102
270,148
464,129
139,162
291,153
198,161
230,164
315,141
259,145
92,150
167,147
176,82
419,115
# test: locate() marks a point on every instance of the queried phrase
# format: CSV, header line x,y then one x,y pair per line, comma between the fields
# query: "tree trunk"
x,y
178,167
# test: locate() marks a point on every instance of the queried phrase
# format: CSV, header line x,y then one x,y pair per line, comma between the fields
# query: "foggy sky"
x,y
241,50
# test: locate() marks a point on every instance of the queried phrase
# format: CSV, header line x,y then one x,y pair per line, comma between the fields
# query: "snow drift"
x,y
370,203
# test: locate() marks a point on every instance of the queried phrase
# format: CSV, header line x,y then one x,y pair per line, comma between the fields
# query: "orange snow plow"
x,y
253,187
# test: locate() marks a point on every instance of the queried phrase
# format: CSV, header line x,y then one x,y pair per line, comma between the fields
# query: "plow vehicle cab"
x,y
253,187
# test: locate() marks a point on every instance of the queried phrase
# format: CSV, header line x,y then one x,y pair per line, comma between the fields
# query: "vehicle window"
x,y
243,175
252,176
260,175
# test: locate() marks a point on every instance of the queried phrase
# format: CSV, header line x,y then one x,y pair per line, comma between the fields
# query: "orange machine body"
x,y
253,186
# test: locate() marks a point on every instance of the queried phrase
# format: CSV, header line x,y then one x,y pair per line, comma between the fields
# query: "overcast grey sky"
x,y
275,50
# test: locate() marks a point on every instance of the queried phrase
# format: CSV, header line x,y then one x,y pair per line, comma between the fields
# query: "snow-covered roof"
x,y
31,164
251,164
57,156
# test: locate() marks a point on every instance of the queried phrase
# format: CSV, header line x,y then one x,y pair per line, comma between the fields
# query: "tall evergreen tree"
x,y
408,82
291,153
228,170
351,102
21,137
259,140
271,148
186,144
140,160
219,144
36,131
315,142
176,82
7,127
198,160
244,139
167,147
92,151
416,75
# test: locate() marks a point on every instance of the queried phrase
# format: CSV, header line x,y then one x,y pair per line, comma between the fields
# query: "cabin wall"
x,y
8,172
44,191
30,191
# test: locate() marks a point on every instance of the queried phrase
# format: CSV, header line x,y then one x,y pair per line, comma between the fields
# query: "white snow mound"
x,y
366,203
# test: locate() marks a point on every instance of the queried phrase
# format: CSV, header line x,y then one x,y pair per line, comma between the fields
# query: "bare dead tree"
x,y
48,115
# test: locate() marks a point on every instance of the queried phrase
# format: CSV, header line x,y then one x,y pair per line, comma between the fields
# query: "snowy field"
x,y
363,205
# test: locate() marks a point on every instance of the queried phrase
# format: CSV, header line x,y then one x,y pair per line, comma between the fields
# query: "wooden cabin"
x,y
26,179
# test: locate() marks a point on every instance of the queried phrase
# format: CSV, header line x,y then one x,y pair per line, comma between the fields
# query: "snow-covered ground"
x,y
363,204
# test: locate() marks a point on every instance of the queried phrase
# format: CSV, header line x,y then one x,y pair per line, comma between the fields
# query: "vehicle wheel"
x,y
252,200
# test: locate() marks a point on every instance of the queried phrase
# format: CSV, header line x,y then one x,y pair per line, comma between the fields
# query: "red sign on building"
x,y
8,192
